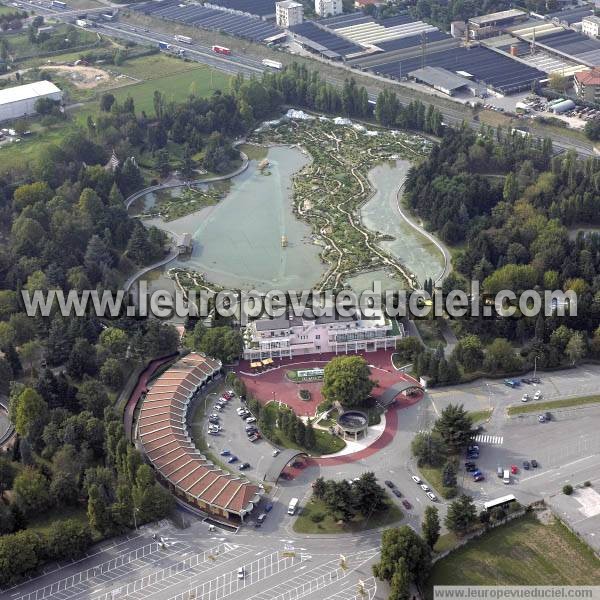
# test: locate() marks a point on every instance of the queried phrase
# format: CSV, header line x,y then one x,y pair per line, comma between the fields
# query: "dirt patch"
x,y
545,517
81,76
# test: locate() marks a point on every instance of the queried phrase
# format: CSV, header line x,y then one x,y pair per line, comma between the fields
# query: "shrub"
x,y
317,517
450,492
304,394
567,489
587,484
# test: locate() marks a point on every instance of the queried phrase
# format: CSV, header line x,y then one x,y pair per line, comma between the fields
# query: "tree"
x,y
400,583
97,510
68,539
106,102
347,380
403,543
93,397
224,343
429,449
461,515
501,357
111,373
449,474
455,427
339,499
30,414
310,440
431,526
576,348
30,352
7,475
32,492
469,352
319,488
567,489
82,359
369,496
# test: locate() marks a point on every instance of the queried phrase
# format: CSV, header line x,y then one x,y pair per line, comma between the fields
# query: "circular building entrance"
x,y
352,424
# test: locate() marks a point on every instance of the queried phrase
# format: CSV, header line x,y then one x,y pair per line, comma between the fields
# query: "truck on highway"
x,y
58,4
221,50
164,46
184,38
274,64
292,506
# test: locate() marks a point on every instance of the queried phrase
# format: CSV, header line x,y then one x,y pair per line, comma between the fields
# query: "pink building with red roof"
x,y
163,434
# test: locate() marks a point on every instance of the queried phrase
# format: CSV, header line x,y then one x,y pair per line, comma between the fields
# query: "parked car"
x,y
253,437
225,453
514,469
432,496
212,432
276,452
260,520
424,487
406,504
500,471
268,507
397,493
526,380
538,395
239,410
525,398
526,465
513,383
473,448
471,468
416,479
251,420
232,459
241,573
214,415
389,483
244,466
541,419
479,476
548,416
534,463
536,380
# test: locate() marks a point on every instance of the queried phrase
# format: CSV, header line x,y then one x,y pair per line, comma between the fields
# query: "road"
x,y
251,66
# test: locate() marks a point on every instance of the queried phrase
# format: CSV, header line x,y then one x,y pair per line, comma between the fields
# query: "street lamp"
x,y
135,510
535,365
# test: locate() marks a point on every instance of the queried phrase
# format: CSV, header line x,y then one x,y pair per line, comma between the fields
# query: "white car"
x,y
251,420
240,410
424,487
525,398
276,452
538,395
432,496
241,573
416,479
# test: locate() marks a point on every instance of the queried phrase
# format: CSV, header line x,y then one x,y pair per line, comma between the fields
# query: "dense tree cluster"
x,y
511,204
347,499
390,113
347,380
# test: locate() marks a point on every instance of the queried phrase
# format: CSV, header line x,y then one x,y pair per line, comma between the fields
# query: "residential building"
x,y
163,433
587,85
329,8
289,13
295,336
590,26
19,101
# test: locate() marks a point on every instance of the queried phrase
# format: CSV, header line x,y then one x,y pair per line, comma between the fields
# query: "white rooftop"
x,y
25,92
289,4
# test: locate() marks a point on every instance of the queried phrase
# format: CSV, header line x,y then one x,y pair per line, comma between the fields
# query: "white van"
x,y
506,477
292,506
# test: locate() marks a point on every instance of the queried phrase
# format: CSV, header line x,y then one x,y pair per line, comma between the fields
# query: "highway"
x,y
251,66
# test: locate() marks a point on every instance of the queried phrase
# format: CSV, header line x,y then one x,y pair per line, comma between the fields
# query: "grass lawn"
x,y
154,66
433,476
176,87
551,404
41,523
305,524
523,552
326,443
477,416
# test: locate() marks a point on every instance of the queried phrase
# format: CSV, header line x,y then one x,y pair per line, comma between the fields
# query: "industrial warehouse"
x,y
19,101
163,434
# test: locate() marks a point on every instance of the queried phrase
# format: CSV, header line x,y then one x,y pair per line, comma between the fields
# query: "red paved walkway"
x,y
274,385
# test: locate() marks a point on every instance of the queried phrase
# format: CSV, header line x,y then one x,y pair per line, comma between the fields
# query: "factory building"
x,y
587,85
19,101
492,24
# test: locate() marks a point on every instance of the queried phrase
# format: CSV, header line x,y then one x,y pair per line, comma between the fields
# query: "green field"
x,y
521,409
477,416
200,81
433,476
154,66
305,524
523,552
6,10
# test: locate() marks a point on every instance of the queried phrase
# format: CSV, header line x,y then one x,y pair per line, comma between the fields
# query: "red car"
x,y
514,469
406,504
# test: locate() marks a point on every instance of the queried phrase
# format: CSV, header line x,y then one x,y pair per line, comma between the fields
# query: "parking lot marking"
x,y
195,565
229,583
105,571
496,440
357,591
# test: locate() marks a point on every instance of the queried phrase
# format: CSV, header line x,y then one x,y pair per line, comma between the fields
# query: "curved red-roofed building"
x,y
163,433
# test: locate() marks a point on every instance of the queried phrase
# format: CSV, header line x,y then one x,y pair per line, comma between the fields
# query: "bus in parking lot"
x,y
501,502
